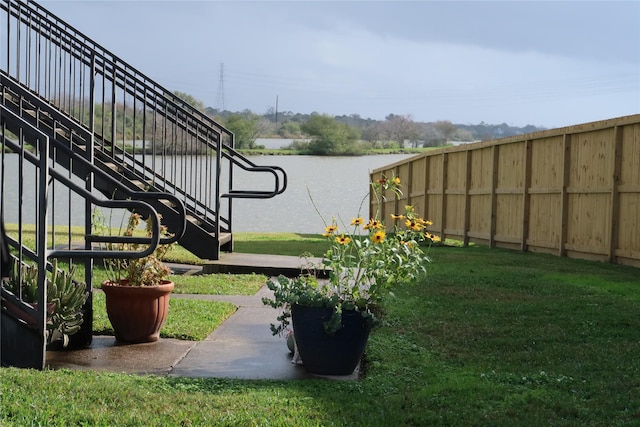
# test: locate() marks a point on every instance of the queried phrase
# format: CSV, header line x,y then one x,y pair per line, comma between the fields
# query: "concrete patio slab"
x,y
242,347
157,358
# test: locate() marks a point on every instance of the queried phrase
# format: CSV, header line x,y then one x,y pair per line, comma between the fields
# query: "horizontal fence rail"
x,y
572,191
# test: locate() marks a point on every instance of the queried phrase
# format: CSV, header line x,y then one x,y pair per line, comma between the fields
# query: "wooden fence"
x,y
572,191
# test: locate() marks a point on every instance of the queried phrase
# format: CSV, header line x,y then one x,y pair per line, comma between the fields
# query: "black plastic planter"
x,y
324,354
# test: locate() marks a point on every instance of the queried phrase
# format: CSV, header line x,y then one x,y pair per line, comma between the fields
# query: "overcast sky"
x,y
543,63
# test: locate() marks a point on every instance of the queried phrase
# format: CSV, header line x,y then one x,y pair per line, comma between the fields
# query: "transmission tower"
x,y
220,95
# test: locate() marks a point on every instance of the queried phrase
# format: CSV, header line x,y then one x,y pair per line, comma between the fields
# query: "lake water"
x,y
337,185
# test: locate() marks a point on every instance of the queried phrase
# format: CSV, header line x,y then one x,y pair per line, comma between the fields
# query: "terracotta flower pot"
x,y
137,313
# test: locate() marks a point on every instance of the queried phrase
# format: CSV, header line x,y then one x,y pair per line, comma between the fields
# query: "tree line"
x,y
322,134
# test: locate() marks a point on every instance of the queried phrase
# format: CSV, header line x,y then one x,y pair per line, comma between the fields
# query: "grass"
x,y
292,244
191,319
188,319
218,284
490,337
523,337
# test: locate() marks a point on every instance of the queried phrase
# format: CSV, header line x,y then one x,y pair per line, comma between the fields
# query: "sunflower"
x,y
357,221
393,216
396,180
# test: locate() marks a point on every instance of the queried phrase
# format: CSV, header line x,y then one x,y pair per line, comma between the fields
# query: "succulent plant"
x,y
65,297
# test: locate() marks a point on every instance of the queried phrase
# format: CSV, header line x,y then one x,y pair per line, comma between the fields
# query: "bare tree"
x,y
446,129
372,133
400,129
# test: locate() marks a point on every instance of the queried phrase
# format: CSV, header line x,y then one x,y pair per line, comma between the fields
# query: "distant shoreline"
x,y
287,152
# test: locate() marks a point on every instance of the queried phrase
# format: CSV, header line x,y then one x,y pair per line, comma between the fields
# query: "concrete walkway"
x,y
242,347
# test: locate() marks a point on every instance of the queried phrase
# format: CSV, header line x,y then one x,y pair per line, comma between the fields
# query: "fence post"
x,y
614,228
564,202
495,151
526,198
425,188
467,201
443,200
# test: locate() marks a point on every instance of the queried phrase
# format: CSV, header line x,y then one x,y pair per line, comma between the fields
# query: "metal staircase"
x,y
23,344
75,119
146,138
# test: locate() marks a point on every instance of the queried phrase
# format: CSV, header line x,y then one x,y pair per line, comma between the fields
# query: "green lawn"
x,y
191,319
188,319
490,337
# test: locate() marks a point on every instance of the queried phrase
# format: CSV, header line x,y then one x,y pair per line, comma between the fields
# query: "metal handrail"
x,y
135,203
252,167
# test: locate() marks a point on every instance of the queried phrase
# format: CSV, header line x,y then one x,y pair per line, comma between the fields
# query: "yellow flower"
x,y
434,238
343,240
373,224
413,225
428,223
396,180
378,236
357,221
330,229
397,216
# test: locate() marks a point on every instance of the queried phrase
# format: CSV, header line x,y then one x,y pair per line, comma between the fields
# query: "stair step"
x,y
142,185
11,97
64,133
168,203
29,112
224,238
193,220
114,167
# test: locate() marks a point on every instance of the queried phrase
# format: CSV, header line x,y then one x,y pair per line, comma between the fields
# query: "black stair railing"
x,y
29,149
137,125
